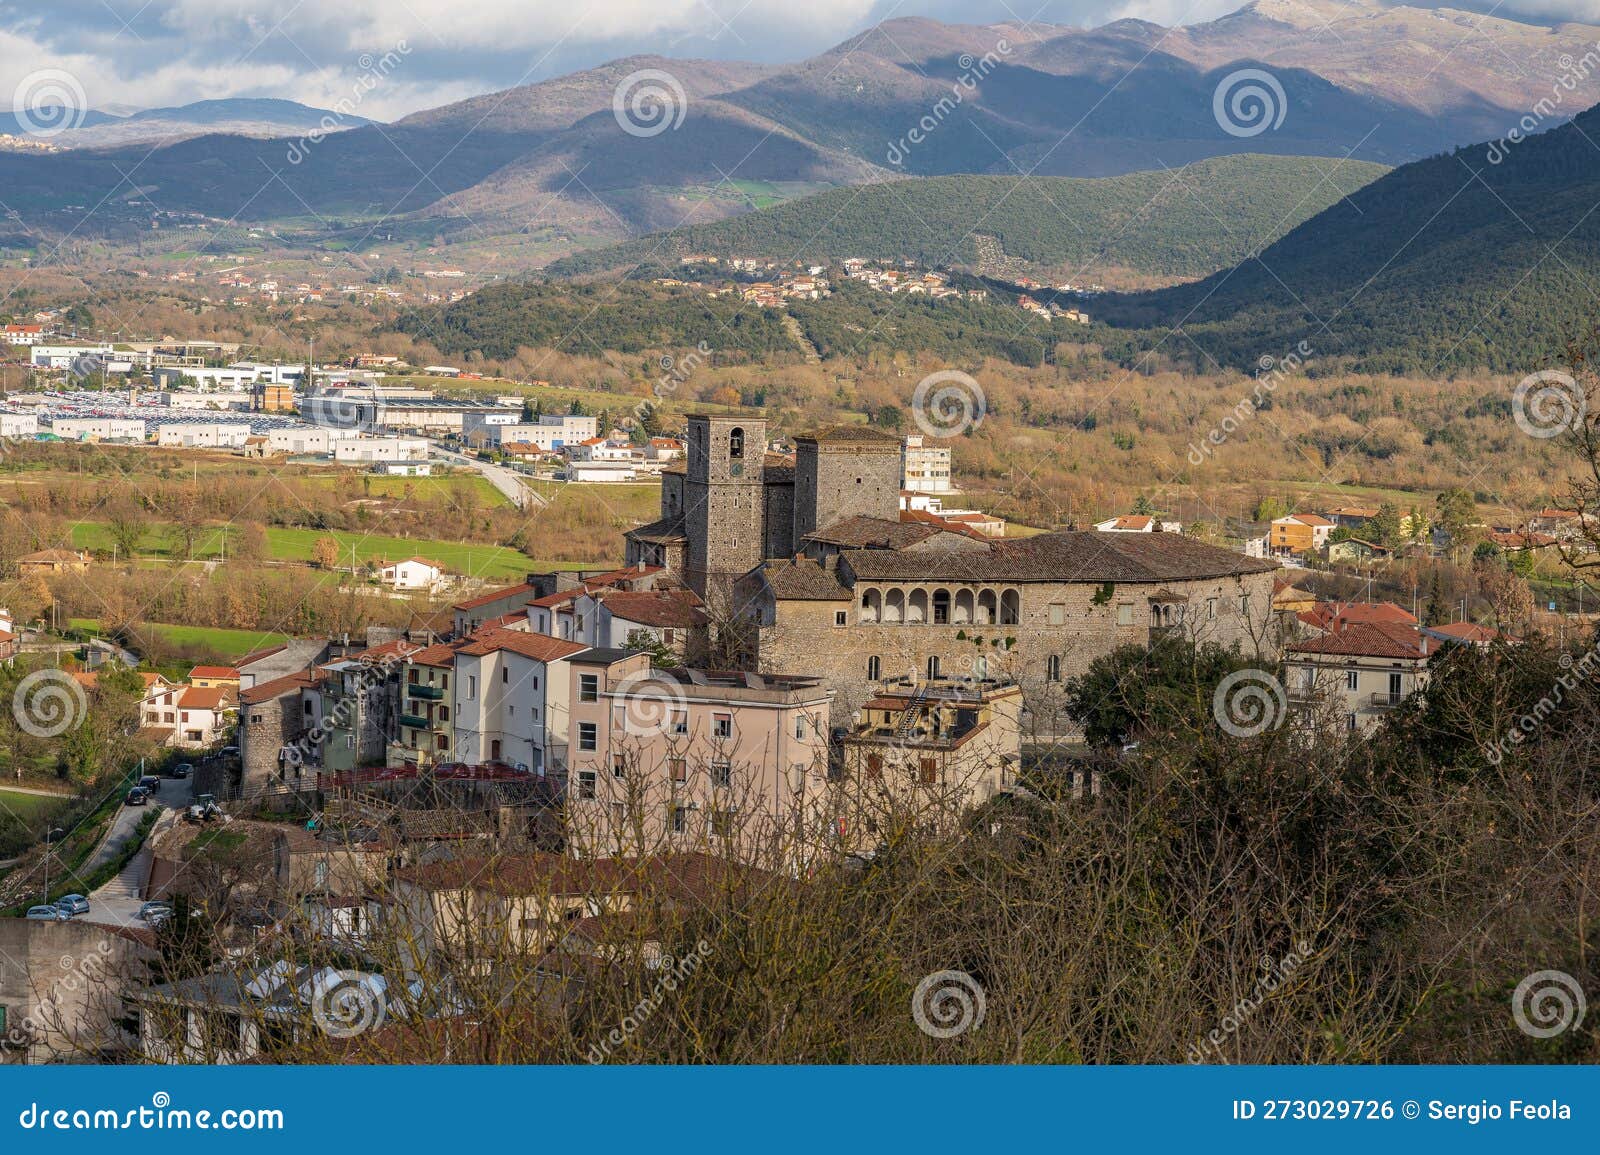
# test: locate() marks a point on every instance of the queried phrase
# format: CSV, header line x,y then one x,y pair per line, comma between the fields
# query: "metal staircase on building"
x,y
913,711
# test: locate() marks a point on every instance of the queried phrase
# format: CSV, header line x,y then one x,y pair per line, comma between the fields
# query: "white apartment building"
x,y
926,467
212,399
1358,672
24,334
511,692
599,449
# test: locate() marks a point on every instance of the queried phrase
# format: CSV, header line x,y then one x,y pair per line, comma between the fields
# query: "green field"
x,y
486,561
27,806
229,643
289,544
482,492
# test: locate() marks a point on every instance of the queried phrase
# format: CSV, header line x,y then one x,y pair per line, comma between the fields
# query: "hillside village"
x,y
831,541
806,651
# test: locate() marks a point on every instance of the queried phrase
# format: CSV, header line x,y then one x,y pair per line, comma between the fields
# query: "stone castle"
x,y
815,556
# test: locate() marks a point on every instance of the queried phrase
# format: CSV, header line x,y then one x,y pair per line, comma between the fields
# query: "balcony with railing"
x,y
1384,700
415,721
427,693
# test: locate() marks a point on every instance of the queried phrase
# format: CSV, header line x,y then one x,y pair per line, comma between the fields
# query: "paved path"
x,y
8,788
505,480
117,902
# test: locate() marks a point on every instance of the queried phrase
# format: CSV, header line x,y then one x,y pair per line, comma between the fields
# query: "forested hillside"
x,y
1484,257
1176,224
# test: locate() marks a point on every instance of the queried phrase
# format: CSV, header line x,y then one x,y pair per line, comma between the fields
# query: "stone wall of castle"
x,y
835,480
1072,623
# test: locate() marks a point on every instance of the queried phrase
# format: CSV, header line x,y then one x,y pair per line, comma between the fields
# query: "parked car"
x,y
229,752
73,903
151,783
155,912
138,796
47,914
181,770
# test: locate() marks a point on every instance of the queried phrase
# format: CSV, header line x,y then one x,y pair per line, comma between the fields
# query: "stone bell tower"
x,y
723,508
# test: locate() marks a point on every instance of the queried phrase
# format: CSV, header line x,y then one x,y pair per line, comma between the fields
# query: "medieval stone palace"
x,y
815,554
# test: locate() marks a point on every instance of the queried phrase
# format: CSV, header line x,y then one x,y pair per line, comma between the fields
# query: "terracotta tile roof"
x,y
194,698
1069,556
277,687
1311,519
536,646
612,577
1370,640
1466,632
845,434
259,655
689,876
802,579
494,596
441,655
59,556
863,532
949,525
559,598
400,647
213,672
659,608
1331,615
666,529
1522,539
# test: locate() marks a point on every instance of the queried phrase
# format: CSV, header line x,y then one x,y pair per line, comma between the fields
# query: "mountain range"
x,y
239,116
908,98
1484,257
